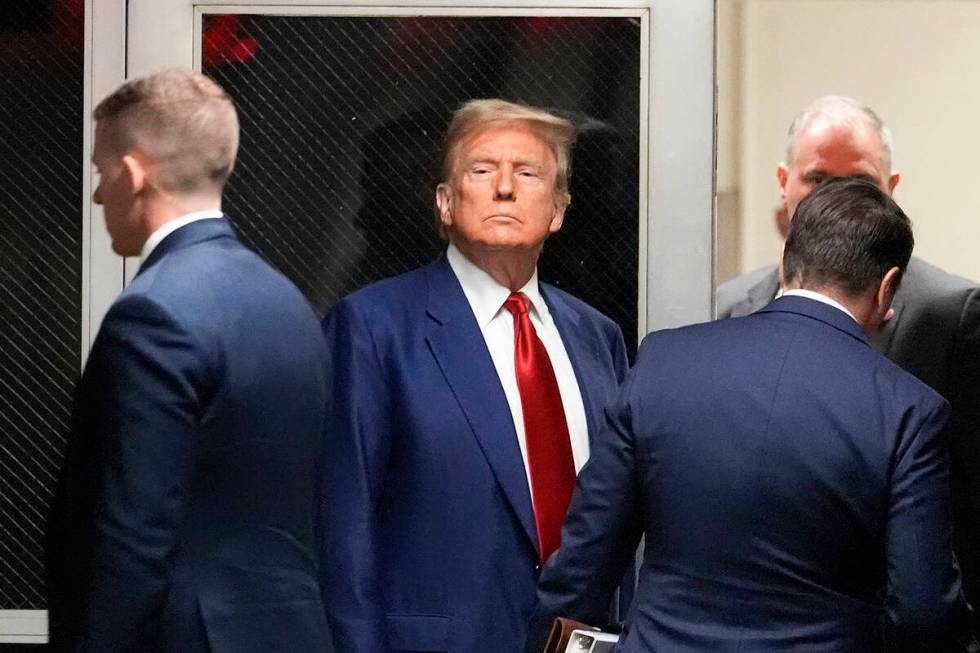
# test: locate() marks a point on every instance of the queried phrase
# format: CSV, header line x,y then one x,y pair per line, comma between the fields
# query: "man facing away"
x,y
463,398
935,330
791,482
184,518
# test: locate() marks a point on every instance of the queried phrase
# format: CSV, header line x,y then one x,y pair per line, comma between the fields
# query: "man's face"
x,y
116,194
502,192
826,150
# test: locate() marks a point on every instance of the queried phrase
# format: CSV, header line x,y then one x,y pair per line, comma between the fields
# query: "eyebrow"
x,y
487,158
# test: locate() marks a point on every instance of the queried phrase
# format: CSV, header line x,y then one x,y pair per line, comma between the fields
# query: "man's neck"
x,y
510,267
170,226
860,307
160,212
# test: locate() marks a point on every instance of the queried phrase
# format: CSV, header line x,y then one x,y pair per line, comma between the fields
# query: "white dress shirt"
x,y
486,298
811,294
157,236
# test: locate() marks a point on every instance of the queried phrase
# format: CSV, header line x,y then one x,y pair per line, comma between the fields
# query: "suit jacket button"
x,y
537,568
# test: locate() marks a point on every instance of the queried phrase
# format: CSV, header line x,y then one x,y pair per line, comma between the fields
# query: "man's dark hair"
x,y
846,234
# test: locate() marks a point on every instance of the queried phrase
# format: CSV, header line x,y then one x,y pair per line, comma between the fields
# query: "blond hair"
x,y
475,115
182,121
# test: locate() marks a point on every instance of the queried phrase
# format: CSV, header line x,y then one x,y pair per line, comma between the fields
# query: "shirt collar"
x,y
811,294
485,295
157,236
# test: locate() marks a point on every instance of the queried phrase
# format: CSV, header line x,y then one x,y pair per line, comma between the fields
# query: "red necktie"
x,y
549,450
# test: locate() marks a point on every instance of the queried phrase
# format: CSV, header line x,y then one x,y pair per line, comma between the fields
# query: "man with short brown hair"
x,y
790,482
184,518
934,331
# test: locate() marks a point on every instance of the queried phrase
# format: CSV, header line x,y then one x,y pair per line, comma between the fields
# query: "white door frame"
x,y
105,69
677,152
102,271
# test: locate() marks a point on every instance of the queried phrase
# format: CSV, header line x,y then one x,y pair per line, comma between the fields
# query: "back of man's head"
x,y
845,236
182,122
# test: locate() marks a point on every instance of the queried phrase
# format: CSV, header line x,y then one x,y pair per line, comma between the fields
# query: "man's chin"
x,y
505,241
501,238
123,250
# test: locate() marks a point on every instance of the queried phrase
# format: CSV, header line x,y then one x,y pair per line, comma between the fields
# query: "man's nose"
x,y
97,195
504,187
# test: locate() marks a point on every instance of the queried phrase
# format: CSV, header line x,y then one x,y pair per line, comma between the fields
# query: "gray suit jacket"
x,y
935,335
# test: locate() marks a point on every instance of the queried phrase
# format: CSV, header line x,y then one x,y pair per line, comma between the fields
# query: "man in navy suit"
x,y
791,482
935,330
464,396
184,519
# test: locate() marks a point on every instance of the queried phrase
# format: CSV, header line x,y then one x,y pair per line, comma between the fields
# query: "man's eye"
x,y
528,173
816,179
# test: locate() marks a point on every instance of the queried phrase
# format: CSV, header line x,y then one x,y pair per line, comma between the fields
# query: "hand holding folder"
x,y
570,636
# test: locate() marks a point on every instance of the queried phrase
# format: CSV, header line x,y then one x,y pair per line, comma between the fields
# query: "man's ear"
x,y
893,180
444,200
558,219
135,169
886,293
782,175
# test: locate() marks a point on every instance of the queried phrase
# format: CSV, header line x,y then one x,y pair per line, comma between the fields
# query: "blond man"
x,y
184,517
464,397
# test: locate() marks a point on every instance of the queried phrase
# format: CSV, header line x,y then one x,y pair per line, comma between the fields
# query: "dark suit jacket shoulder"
x,y
203,390
747,293
935,335
791,484
934,313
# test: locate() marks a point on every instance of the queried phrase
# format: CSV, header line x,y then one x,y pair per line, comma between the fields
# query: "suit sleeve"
x,y
964,397
924,603
357,443
619,356
600,533
144,383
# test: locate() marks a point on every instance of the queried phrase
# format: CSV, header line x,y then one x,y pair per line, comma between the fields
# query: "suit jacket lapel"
x,y
458,346
758,296
583,351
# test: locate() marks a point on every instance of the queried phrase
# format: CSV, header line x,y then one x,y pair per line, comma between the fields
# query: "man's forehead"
x,y
507,137
824,134
504,128
840,146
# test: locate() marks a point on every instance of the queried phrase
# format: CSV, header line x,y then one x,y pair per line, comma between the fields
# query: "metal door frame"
x,y
102,270
677,149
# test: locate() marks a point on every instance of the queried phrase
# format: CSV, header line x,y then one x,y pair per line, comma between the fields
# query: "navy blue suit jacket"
x,y
428,540
184,520
792,485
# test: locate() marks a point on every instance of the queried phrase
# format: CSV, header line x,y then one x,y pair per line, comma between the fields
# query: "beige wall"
x,y
914,61
728,219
